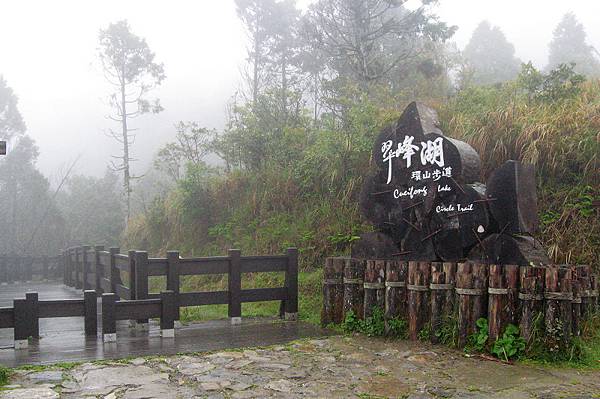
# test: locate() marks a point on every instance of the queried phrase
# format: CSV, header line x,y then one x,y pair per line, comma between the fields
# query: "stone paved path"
x,y
335,367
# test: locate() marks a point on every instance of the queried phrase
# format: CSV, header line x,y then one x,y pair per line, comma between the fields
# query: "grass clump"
x,y
375,325
4,375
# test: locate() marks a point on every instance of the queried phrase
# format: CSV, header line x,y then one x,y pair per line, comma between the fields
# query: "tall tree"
x,y
11,121
256,15
129,67
192,143
490,57
367,40
568,45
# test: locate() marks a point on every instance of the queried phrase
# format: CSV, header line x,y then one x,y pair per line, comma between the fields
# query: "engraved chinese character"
x,y
408,149
432,152
416,175
388,155
436,175
426,175
447,171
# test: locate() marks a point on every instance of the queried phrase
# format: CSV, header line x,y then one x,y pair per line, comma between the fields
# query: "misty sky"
x,y
48,56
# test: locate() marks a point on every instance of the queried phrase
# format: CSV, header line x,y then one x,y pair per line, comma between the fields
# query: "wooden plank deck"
x,y
63,339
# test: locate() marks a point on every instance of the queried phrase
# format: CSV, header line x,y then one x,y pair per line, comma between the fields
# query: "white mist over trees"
x,y
569,46
490,57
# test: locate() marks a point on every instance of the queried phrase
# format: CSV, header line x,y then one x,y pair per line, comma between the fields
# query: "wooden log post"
x,y
98,269
419,278
374,286
531,296
594,302
558,312
584,276
333,291
109,320
90,317
290,305
141,283
450,303
234,280
442,304
576,315
503,298
471,287
169,310
173,278
354,274
498,302
396,301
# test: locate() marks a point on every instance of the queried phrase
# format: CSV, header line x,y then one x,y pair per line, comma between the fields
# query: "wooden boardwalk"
x,y
63,339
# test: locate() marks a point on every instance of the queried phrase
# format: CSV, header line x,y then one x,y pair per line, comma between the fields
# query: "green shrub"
x,y
510,345
4,375
478,340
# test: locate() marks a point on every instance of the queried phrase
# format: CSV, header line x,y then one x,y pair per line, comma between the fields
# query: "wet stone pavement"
x,y
334,367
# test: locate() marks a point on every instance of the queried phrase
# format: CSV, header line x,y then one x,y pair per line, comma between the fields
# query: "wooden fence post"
x,y
26,314
576,314
3,270
531,296
291,285
354,274
115,275
234,280
98,268
85,260
471,287
442,304
109,322
333,291
78,268
67,267
173,277
374,286
27,265
168,313
502,309
132,272
141,282
419,278
558,295
90,317
18,270
396,273
45,271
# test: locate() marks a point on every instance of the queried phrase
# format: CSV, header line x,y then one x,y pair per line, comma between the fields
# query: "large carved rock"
x,y
375,245
510,250
513,201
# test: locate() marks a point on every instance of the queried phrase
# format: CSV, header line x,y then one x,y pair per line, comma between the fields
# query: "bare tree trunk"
x,y
126,174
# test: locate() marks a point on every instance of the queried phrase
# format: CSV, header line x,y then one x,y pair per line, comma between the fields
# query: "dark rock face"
x,y
422,194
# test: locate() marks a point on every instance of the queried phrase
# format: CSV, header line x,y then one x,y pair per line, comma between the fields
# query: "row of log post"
x,y
429,294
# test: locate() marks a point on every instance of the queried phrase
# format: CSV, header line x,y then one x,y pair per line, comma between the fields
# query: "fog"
x,y
48,55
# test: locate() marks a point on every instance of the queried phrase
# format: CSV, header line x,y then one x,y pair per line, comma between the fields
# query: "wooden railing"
x,y
123,282
29,268
94,268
